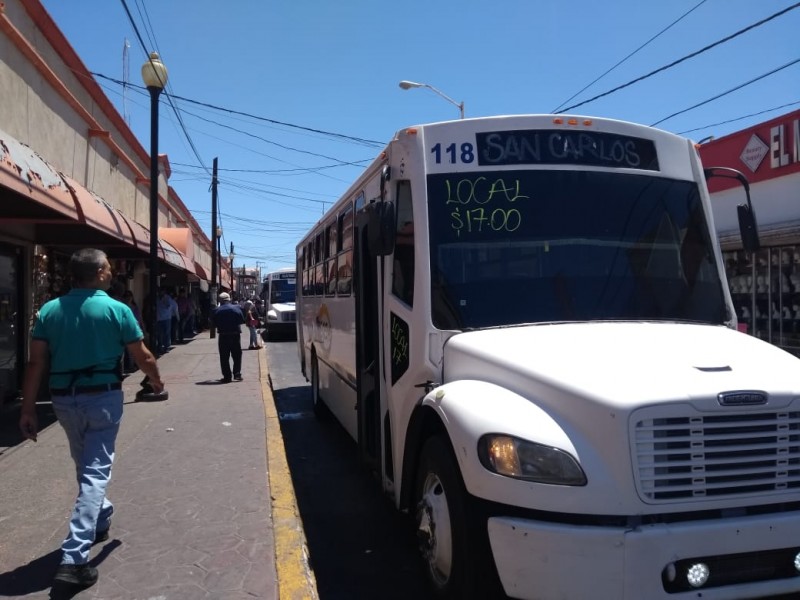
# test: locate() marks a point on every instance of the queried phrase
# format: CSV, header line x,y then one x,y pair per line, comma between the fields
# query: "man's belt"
x,y
85,389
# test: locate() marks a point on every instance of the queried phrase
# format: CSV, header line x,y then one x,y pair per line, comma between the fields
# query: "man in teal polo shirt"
x,y
78,340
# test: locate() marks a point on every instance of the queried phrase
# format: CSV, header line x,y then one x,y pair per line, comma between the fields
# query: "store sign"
x,y
754,152
784,149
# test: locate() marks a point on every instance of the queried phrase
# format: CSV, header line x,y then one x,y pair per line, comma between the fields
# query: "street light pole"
x,y
154,74
407,85
230,256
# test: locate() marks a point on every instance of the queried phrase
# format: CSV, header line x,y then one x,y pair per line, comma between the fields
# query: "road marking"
x,y
295,578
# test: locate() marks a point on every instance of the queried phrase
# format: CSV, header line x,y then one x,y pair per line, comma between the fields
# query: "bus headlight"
x,y
514,457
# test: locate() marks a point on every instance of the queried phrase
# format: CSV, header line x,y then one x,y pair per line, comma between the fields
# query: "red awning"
x,y
141,236
25,172
100,215
175,258
180,238
200,271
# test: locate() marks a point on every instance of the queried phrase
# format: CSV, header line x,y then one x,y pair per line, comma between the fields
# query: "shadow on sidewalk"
x,y
38,574
33,577
10,435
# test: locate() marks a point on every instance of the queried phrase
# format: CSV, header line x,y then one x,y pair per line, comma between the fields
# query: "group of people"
x,y
175,318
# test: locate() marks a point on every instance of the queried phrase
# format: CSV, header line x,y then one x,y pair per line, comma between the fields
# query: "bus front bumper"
x,y
550,561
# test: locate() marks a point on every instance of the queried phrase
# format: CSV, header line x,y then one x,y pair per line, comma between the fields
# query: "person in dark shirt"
x,y
228,319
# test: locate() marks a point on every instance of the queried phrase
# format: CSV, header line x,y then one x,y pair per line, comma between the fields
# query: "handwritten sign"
x,y
399,346
554,147
477,203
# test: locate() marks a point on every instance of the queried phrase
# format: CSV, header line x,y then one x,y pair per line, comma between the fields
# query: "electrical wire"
x,y
725,93
685,58
667,28
755,114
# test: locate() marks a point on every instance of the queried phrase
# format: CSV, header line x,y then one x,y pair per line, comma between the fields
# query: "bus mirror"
x,y
386,175
381,228
748,229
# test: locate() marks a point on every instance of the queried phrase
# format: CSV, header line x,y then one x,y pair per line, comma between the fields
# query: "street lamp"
x,y
215,266
230,258
154,74
407,85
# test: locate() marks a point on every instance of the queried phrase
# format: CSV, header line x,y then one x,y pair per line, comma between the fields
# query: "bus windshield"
x,y
282,291
512,247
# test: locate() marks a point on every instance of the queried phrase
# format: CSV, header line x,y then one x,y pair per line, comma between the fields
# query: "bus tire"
x,y
320,410
452,537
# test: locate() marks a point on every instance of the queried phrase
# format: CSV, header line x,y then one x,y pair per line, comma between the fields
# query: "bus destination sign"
x,y
559,147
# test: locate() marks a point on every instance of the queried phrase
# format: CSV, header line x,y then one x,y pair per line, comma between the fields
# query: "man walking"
x,y
77,340
166,311
228,319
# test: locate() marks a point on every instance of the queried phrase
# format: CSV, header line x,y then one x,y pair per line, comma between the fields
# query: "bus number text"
x,y
465,153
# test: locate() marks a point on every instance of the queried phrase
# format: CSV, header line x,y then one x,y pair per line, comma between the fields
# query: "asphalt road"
x,y
360,546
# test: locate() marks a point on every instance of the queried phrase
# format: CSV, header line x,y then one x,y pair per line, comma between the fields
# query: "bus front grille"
x,y
717,456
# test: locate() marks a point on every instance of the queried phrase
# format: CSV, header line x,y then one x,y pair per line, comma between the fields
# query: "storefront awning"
x,y
141,236
25,172
175,258
201,272
100,215
179,238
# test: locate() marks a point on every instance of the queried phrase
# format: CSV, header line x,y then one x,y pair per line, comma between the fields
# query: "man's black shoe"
x,y
80,575
223,380
238,377
101,536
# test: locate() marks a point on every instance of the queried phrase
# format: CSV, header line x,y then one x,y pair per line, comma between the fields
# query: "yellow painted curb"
x,y
295,577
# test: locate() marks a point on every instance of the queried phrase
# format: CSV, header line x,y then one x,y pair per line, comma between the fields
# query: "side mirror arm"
x,y
748,228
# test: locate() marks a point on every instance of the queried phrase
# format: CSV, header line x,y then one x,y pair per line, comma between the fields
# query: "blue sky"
x,y
325,68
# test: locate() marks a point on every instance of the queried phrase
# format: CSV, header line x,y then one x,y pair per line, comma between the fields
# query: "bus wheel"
x,y
320,410
449,538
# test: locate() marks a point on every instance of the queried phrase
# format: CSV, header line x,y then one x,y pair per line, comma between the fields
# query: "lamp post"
x,y
154,74
407,85
215,266
230,258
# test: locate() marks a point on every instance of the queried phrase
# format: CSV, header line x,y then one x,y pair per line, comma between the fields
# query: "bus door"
x,y
371,244
365,270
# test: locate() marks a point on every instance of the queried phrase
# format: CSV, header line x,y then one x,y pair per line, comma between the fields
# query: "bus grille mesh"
x,y
718,456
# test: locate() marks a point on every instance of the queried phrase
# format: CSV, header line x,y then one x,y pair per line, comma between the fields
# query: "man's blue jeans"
x,y
91,422
164,335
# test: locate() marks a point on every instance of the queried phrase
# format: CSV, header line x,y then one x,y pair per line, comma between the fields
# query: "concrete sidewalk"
x,y
204,506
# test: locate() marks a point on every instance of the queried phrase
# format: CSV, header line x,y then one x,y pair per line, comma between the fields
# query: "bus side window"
x,y
403,270
345,259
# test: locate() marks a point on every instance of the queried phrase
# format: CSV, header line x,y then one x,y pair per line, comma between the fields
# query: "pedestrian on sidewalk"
x,y
228,319
166,311
185,312
78,340
251,320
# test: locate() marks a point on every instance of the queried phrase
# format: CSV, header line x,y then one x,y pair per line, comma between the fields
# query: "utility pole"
x,y
231,266
212,296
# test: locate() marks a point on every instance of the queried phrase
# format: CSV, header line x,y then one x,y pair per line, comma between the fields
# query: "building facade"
x,y
765,286
73,175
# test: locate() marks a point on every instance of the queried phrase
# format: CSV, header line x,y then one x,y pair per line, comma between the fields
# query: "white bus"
x,y
524,323
278,293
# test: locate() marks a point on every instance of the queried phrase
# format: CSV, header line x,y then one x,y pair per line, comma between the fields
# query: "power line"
x,y
168,96
733,89
667,28
755,114
685,58
363,141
